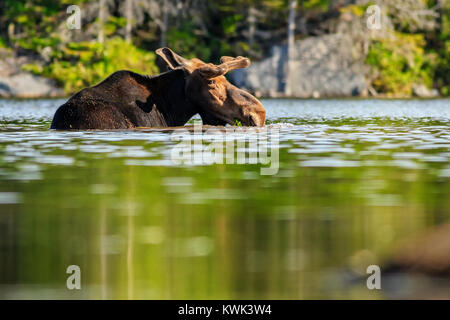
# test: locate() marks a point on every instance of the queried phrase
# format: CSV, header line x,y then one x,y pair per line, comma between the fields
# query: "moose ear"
x,y
172,59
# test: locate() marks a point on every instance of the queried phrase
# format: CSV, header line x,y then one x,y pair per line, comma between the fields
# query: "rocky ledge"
x,y
16,83
323,66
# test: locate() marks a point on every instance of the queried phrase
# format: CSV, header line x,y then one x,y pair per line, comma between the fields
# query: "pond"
x,y
354,178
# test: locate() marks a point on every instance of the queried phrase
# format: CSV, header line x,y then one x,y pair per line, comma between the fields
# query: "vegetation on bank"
x,y
124,34
78,65
400,63
415,51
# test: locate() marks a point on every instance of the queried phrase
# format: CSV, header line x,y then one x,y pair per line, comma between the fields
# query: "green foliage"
x,y
37,43
316,4
230,24
443,69
237,123
184,41
2,43
35,16
399,63
354,9
85,64
113,24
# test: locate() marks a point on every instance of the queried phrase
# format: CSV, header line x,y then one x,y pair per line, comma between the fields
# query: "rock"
x,y
322,67
427,254
422,91
27,85
16,83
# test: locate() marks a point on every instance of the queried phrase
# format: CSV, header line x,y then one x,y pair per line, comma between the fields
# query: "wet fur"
x,y
127,100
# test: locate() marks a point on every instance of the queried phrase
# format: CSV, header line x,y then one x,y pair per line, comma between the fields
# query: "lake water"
x,y
354,179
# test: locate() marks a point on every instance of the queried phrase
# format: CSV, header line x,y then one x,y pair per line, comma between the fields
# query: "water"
x,y
355,178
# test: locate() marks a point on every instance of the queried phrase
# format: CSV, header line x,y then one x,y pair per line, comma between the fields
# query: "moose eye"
x,y
211,82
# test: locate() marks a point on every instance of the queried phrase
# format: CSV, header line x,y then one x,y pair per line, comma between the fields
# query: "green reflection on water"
x,y
218,231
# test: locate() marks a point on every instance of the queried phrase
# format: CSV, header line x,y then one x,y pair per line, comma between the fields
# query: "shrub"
x,y
399,62
78,65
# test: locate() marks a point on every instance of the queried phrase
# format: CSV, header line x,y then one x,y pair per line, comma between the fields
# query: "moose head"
x,y
218,102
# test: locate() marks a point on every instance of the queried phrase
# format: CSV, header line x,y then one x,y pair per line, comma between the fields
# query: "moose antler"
x,y
210,70
172,59
235,63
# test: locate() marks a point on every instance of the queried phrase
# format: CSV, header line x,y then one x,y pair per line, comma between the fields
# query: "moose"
x,y
127,100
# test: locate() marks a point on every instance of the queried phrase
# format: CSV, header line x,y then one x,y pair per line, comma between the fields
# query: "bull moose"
x,y
128,100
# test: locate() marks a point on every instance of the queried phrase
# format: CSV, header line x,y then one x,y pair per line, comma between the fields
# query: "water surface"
x,y
355,178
